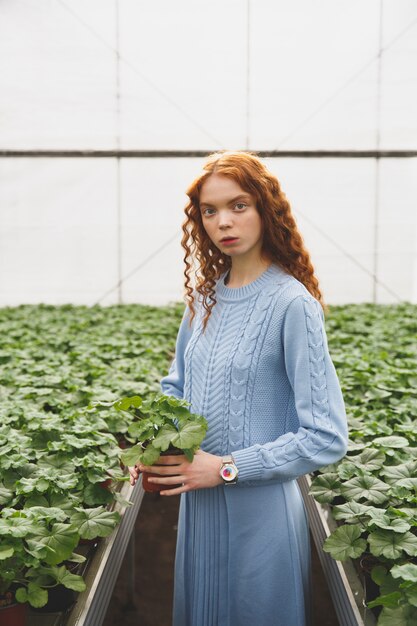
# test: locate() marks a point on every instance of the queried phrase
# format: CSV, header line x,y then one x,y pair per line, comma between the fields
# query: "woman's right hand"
x,y
134,474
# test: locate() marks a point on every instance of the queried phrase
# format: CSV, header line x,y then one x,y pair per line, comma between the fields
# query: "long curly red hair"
x,y
282,243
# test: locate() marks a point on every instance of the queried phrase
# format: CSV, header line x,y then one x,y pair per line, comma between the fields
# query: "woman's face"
x,y
230,217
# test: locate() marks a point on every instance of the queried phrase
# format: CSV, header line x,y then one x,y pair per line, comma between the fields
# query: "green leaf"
x,y
393,441
48,513
145,429
397,525
371,459
94,494
345,542
6,552
19,527
35,500
377,394
400,493
21,595
350,511
150,455
66,578
325,487
5,495
92,523
76,558
378,574
131,456
126,403
35,595
391,544
411,594
354,446
188,436
390,600
66,501
165,437
394,473
409,483
67,482
365,487
347,470
408,571
60,542
399,616
73,581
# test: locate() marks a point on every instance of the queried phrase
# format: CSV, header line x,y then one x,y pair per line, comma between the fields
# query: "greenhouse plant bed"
x,y
343,581
102,571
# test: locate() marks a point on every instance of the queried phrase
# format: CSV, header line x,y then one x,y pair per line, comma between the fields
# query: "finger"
x,y
167,480
175,492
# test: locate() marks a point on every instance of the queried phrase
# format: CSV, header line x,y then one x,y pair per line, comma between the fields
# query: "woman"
x,y
252,357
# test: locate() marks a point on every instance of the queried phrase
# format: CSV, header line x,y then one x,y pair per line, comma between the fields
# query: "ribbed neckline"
x,y
223,292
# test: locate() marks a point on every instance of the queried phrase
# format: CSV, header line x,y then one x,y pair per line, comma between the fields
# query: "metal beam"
x,y
187,154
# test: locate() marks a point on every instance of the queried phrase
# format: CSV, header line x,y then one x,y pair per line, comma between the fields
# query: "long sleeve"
x,y
173,383
322,436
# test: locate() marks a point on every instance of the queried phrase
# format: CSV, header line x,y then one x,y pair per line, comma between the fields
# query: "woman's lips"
x,y
229,241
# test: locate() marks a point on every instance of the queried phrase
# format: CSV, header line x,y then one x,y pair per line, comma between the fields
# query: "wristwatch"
x,y
228,470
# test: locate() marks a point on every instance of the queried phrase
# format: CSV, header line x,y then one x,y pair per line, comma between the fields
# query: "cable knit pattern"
x,y
320,402
262,375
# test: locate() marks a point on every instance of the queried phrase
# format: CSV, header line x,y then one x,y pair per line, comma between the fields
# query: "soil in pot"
x,y
59,599
12,613
152,487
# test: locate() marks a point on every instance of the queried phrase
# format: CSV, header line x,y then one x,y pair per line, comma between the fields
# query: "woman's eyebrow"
x,y
239,197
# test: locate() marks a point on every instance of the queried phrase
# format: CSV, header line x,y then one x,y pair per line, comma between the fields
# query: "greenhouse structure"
x,y
109,110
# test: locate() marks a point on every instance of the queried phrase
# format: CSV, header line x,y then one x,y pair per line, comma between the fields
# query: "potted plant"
x,y
12,612
162,425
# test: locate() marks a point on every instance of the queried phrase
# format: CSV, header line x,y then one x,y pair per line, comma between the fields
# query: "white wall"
x,y
60,242
189,81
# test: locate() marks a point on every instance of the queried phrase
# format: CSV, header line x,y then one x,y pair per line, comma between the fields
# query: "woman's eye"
x,y
240,205
208,212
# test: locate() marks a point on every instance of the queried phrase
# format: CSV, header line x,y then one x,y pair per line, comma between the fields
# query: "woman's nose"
x,y
225,219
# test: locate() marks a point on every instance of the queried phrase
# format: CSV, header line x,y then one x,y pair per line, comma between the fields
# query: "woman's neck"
x,y
242,274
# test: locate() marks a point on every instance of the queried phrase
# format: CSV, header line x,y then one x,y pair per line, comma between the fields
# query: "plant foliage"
x,y
373,490
55,452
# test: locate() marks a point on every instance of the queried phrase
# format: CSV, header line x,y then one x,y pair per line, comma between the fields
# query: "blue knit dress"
x,y
262,376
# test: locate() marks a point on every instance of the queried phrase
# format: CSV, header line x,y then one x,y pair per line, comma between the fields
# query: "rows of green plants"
x,y
373,490
57,453
59,458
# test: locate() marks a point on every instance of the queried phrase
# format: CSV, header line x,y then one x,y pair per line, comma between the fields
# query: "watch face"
x,y
228,473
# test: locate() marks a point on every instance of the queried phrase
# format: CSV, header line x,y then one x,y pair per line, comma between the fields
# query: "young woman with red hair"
x,y
252,357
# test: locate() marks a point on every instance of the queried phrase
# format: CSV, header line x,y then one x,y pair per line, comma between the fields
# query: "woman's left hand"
x,y
201,473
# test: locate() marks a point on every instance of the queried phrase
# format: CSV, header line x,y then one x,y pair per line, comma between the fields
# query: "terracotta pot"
x,y
12,613
152,487
123,443
105,484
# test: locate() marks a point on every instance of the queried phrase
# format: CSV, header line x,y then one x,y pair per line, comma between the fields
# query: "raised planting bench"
x,y
345,587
